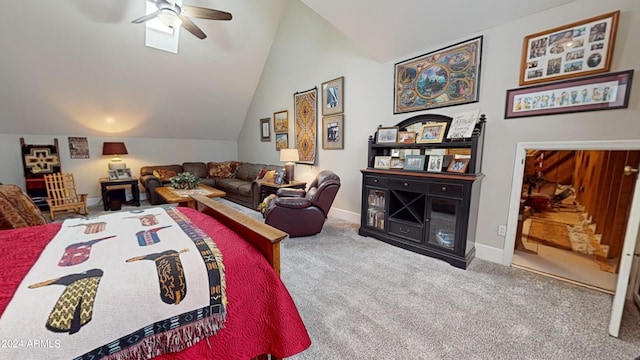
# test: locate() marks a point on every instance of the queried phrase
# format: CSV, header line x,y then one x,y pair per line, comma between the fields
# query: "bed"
x,y
258,316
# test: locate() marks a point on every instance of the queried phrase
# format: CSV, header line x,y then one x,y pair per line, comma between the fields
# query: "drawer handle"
x,y
405,231
375,180
444,188
405,184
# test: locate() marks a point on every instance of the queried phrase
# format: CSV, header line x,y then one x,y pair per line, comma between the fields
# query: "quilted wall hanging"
x,y
306,124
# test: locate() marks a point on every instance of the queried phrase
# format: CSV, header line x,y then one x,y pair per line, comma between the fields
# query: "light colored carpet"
x,y
361,298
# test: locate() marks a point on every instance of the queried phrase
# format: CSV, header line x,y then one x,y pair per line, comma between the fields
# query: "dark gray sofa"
x,y
241,188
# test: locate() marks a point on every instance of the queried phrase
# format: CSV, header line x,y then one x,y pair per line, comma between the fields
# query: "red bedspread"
x,y
262,318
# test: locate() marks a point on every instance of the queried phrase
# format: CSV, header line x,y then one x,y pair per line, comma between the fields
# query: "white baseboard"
x,y
490,253
345,215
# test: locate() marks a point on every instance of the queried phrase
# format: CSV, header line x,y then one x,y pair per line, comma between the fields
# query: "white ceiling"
x,y
80,67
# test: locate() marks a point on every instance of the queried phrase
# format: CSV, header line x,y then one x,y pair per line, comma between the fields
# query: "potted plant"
x,y
185,180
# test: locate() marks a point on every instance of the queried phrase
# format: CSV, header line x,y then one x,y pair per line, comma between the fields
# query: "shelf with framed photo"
x,y
429,204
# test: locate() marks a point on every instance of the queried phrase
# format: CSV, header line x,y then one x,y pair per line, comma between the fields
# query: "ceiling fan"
x,y
174,15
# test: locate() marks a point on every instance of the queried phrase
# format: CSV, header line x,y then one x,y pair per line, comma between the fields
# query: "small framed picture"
x,y
281,121
113,175
382,162
458,165
387,135
414,162
432,133
396,163
395,153
333,132
407,137
333,96
123,173
282,141
435,163
279,177
265,129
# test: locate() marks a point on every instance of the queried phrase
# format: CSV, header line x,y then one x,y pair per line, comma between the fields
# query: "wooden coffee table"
x,y
183,198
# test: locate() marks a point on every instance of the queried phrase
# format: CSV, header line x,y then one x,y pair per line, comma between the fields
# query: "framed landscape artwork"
x,y
281,121
282,141
581,48
597,92
333,96
445,77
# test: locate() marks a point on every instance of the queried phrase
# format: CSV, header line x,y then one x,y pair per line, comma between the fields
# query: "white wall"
x,y
142,152
308,51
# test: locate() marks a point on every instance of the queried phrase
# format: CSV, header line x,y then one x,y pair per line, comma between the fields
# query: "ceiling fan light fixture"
x,y
170,19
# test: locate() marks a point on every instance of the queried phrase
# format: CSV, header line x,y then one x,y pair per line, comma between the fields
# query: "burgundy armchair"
x,y
302,213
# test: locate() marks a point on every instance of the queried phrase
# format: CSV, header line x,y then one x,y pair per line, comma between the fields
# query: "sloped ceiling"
x,y
80,67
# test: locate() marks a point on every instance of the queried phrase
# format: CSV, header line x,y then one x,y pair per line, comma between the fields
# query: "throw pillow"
x,y
164,175
219,170
270,175
262,173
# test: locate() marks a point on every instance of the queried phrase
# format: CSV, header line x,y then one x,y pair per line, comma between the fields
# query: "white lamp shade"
x,y
289,155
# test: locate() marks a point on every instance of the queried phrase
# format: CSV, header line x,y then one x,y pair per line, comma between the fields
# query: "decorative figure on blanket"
x,y
149,237
173,287
74,307
78,253
92,228
145,220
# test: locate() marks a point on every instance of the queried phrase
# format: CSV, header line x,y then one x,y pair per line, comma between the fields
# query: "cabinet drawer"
x,y
417,186
451,190
380,181
410,232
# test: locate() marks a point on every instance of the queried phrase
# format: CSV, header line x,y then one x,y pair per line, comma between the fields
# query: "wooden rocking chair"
x,y
62,195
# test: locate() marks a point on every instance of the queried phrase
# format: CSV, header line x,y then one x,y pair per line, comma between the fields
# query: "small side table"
x,y
105,184
267,187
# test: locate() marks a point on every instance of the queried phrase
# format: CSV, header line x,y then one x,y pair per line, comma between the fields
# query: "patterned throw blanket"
x,y
127,285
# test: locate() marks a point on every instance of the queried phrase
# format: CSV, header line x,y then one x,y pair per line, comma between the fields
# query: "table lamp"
x,y
289,156
115,149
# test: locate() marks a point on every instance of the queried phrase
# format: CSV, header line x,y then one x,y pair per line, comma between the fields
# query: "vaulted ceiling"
x,y
80,67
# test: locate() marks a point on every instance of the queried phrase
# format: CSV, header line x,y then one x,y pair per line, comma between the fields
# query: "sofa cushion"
x,y
219,170
164,175
230,185
198,169
248,171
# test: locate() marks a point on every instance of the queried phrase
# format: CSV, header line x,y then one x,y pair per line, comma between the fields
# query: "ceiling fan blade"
x,y
204,13
146,17
191,27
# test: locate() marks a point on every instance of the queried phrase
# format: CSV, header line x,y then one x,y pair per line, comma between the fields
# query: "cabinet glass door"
x,y
443,215
376,201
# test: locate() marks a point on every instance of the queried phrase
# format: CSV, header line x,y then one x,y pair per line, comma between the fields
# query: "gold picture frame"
x,y
581,48
281,121
431,133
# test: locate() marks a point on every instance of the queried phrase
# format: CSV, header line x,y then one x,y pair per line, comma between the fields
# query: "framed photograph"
x,y
281,121
279,177
407,137
113,175
123,174
265,129
435,163
445,77
432,133
395,153
581,48
598,92
396,163
333,132
414,162
387,135
458,165
282,141
382,162
78,147
333,96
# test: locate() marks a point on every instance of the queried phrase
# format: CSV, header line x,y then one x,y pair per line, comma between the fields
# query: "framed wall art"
x,y
281,121
306,124
382,162
265,129
333,96
597,92
445,77
387,135
581,48
435,163
432,133
78,147
282,141
333,132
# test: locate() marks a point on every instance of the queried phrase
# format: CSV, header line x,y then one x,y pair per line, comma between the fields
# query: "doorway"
x,y
572,218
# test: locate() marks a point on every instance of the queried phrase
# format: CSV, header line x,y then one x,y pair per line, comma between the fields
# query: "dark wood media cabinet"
x,y
431,213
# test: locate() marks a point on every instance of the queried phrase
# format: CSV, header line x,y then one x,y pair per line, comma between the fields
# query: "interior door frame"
x,y
516,194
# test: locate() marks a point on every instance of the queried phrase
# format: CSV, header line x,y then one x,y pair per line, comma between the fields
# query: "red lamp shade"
x,y
114,148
